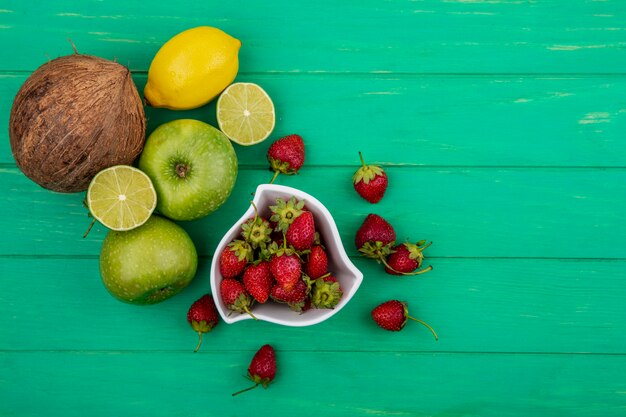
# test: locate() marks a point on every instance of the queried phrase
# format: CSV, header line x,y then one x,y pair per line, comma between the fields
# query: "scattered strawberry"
x,y
285,212
295,297
317,264
235,296
406,258
258,281
375,237
370,181
285,267
262,369
301,233
286,155
203,316
392,315
326,292
234,258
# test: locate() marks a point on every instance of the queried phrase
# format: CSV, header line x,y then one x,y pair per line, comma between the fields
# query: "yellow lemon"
x,y
192,68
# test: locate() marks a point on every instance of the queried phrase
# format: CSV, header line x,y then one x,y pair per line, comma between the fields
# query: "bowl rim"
x,y
341,257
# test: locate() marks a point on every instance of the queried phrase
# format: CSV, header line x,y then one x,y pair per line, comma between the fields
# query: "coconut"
x,y
73,117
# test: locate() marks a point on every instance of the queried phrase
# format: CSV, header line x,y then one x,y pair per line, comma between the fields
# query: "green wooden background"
x,y
502,125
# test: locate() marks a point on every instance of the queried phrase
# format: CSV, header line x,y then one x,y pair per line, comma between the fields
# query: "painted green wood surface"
x,y
502,125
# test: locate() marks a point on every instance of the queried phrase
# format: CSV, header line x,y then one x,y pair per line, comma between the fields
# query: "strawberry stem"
x,y
425,324
199,342
418,272
274,177
421,248
249,312
89,228
362,160
247,389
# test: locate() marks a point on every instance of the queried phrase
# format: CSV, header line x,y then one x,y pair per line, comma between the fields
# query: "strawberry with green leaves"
x,y
326,292
376,239
235,296
234,258
203,316
262,369
370,181
405,259
286,155
285,212
392,315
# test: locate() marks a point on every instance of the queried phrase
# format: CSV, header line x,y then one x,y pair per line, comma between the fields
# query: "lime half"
x,y
121,197
245,113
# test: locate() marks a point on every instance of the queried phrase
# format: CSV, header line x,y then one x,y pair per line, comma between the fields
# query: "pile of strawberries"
x,y
280,258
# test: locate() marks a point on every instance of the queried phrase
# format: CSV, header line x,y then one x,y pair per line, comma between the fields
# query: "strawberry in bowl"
x,y
296,272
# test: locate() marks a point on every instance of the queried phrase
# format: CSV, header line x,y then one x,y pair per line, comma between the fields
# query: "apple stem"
x,y
274,177
362,160
247,389
425,324
199,342
89,228
181,170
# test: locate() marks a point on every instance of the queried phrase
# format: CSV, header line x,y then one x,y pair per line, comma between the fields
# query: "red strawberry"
x,y
317,264
262,369
301,233
285,266
258,281
370,181
294,297
392,315
375,237
202,316
326,292
286,155
234,258
235,296
406,258
285,212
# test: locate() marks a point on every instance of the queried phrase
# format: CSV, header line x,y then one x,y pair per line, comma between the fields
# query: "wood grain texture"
x,y
432,36
441,121
501,124
356,384
475,305
467,212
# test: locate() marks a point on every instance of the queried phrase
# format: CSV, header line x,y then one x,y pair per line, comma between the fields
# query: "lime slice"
x,y
121,197
245,113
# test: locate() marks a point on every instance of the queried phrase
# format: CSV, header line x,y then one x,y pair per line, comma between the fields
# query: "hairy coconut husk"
x,y
73,117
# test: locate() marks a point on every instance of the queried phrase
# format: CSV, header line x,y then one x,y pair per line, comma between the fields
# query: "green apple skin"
x,y
193,167
148,264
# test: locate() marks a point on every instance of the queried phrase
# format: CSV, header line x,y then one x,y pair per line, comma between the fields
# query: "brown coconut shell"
x,y
73,117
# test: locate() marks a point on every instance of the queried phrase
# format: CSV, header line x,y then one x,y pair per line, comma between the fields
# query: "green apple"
x,y
193,167
148,264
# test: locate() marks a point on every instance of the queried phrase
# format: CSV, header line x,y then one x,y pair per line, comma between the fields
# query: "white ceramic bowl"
x,y
339,264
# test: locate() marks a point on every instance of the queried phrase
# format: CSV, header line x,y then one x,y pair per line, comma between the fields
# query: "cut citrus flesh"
x,y
121,197
245,113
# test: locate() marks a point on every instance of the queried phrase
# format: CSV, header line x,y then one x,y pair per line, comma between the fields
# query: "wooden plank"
x,y
442,121
184,384
475,305
456,36
467,212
